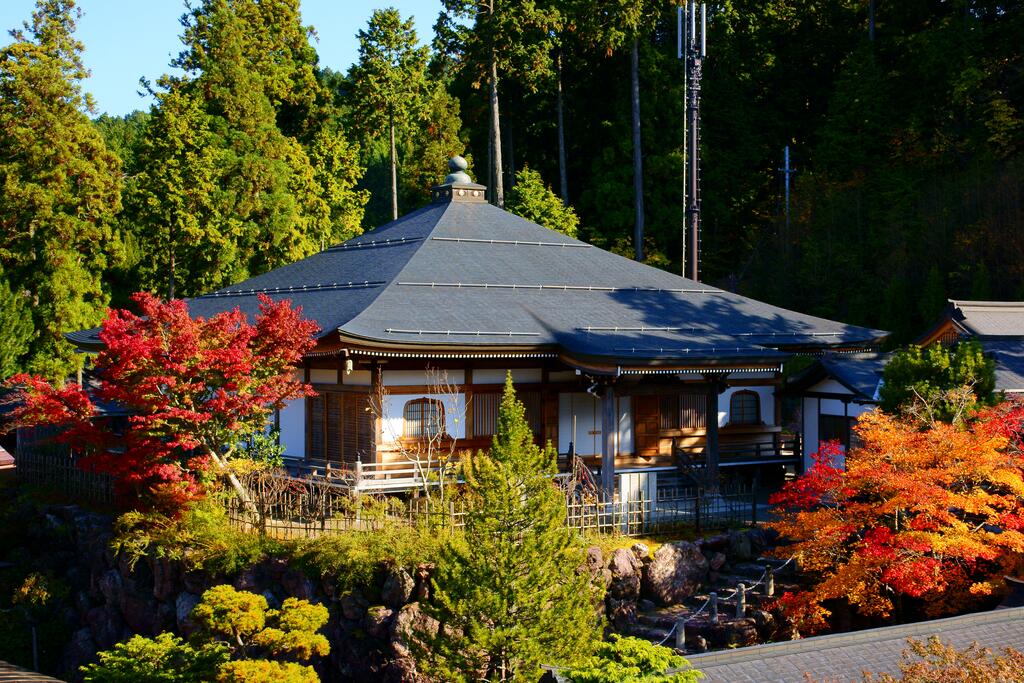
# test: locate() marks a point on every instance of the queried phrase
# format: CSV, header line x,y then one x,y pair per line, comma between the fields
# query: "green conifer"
x,y
61,186
509,596
532,199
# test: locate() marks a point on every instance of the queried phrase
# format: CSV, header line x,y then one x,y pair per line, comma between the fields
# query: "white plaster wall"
x,y
416,378
357,378
766,399
323,376
519,376
393,422
293,428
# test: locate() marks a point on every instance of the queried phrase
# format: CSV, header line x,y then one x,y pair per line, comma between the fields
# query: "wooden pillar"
x,y
711,438
609,428
378,415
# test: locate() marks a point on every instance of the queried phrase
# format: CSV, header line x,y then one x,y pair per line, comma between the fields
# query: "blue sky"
x,y
127,39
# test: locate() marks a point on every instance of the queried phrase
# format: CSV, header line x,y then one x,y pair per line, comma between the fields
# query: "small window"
x,y
744,408
424,418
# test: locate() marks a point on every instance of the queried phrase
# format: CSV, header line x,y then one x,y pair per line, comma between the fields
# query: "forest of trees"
x,y
905,121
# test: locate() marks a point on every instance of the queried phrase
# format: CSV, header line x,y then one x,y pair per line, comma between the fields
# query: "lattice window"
x,y
340,427
744,408
486,406
424,418
683,411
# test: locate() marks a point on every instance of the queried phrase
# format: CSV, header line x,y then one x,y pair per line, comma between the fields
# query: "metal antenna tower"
x,y
787,171
691,46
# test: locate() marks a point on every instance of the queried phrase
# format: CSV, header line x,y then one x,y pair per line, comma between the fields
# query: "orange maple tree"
x,y
933,515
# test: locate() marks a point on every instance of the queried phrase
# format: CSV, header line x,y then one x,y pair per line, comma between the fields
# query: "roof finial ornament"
x,y
457,165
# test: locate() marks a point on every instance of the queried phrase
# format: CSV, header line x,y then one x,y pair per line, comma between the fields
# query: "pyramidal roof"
x,y
461,275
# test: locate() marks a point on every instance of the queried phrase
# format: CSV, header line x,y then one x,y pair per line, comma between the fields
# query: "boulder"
x,y
641,551
407,626
165,577
80,651
398,588
625,570
353,606
716,562
423,574
140,613
247,580
297,585
675,573
183,606
378,621
621,614
111,585
740,549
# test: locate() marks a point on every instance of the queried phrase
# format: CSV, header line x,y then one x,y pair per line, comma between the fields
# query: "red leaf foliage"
x,y
193,388
930,514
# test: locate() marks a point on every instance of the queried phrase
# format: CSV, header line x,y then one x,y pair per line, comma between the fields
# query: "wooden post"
x,y
741,601
608,430
711,439
713,600
769,581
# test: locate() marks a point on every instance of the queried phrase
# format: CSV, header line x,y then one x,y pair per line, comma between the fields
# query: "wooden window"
x,y
424,418
744,408
669,412
683,411
485,413
340,427
486,406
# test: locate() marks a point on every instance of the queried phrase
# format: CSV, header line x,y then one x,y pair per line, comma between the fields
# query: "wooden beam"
x,y
608,432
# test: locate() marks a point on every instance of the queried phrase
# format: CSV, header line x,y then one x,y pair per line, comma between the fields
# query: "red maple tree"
x,y
193,388
928,517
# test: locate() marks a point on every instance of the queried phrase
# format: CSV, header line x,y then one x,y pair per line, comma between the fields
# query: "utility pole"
x,y
787,171
691,46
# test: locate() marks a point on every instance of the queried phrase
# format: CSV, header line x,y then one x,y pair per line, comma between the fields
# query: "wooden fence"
x,y
54,468
281,506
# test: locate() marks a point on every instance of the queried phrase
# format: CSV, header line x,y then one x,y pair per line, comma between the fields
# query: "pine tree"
x,y
509,596
61,186
532,199
388,83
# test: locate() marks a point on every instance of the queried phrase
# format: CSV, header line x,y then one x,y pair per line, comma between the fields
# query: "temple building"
x,y
630,368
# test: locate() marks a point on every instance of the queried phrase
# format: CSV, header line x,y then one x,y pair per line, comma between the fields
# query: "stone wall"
x,y
110,599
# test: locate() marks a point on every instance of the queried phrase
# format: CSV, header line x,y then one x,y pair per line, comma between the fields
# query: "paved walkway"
x,y
15,674
843,656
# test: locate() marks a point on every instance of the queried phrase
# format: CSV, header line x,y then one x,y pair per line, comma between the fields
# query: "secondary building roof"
x,y
462,276
859,373
997,325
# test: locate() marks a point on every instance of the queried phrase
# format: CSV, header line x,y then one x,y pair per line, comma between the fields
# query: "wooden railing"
x,y
779,449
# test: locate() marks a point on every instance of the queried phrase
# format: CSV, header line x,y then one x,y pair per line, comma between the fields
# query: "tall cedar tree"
x,y
388,83
61,187
508,38
916,522
195,389
508,596
16,321
253,125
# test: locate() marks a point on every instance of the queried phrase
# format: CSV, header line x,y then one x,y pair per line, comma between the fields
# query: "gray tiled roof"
x,y
467,274
1009,357
990,318
859,372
